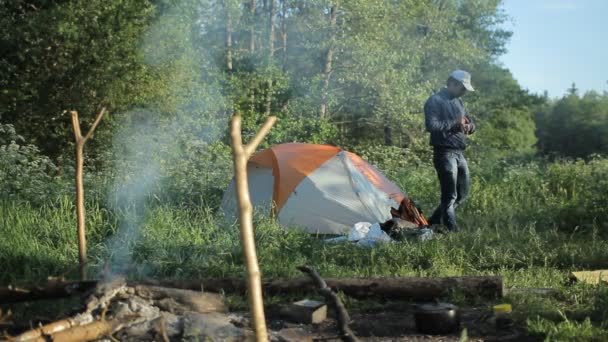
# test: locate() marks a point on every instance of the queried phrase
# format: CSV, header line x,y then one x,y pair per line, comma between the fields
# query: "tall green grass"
x,y
530,223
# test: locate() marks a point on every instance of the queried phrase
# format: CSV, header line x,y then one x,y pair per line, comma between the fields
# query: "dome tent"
x,y
319,188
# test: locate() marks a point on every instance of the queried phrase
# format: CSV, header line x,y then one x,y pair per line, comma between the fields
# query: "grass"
x,y
525,223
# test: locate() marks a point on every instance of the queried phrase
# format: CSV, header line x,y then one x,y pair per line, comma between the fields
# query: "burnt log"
x,y
12,294
180,300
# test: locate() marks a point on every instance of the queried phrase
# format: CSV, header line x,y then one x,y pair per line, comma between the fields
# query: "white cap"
x,y
464,78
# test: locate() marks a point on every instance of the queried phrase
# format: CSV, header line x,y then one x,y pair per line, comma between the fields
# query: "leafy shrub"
x,y
25,174
291,128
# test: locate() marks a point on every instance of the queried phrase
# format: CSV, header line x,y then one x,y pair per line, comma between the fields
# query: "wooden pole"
x,y
80,141
241,154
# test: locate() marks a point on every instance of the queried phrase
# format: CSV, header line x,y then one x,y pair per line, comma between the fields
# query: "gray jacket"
x,y
442,115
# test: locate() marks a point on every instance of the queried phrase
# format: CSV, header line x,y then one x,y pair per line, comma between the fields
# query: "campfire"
x,y
136,312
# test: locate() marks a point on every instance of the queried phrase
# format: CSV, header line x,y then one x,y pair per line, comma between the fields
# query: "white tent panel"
x,y
261,187
327,202
377,202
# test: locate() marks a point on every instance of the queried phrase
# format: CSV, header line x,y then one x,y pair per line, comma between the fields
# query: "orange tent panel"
x,y
290,164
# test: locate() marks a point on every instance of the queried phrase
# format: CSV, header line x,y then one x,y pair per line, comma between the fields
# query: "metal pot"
x,y
437,318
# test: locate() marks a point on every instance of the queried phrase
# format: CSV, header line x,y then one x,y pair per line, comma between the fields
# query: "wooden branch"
x,y
341,314
76,126
241,155
260,135
95,123
80,210
48,329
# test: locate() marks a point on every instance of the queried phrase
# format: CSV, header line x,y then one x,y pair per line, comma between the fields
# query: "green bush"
x,y
25,174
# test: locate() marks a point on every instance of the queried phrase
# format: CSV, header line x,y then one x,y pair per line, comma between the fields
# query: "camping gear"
x,y
320,188
502,316
410,211
366,234
437,318
399,230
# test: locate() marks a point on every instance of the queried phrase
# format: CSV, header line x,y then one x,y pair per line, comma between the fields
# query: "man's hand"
x,y
466,124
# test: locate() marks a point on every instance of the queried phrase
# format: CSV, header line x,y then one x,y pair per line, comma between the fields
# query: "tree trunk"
x,y
388,133
284,32
328,61
271,39
228,36
252,8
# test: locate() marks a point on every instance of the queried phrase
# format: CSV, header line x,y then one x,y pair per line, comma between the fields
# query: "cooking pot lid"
x,y
435,307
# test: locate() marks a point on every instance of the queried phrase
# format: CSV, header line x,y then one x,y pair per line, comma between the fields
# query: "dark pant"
x,y
453,172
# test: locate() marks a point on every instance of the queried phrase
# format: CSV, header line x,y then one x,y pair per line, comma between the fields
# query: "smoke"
x,y
164,137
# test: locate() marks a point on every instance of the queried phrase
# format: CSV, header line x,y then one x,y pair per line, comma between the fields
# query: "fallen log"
x,y
417,288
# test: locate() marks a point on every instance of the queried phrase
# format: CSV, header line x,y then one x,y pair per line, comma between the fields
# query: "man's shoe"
x,y
438,228
453,229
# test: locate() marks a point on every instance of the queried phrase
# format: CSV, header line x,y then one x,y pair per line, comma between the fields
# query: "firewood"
x,y
85,332
44,330
54,327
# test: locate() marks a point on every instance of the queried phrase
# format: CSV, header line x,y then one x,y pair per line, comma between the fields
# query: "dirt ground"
x,y
384,322
399,325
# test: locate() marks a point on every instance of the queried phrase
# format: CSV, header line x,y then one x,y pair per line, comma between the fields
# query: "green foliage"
x,y
169,57
290,128
508,130
62,55
25,174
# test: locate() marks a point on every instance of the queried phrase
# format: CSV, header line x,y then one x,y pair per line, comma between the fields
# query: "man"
x,y
448,123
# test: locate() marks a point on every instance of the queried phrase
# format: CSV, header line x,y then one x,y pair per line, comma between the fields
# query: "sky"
x,y
557,42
